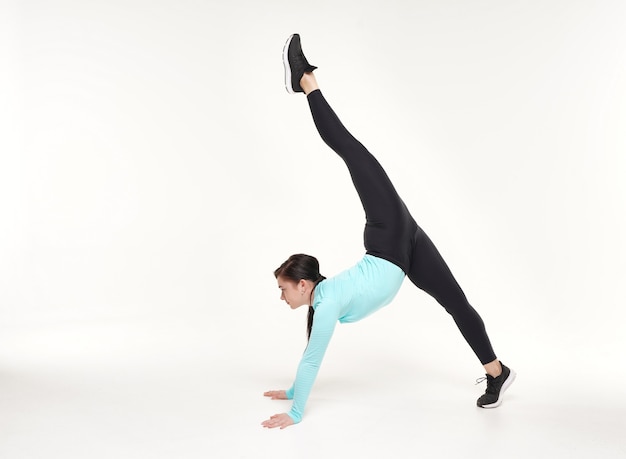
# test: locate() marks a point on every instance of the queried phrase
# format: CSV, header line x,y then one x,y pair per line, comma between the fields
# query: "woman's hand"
x,y
276,394
278,420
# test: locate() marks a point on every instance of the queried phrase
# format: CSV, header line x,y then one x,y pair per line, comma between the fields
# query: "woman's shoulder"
x,y
326,296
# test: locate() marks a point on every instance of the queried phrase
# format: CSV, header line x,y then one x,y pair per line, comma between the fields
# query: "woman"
x,y
395,247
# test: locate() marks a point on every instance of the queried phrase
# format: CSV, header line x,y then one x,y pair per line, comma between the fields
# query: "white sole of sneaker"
x,y
504,387
287,68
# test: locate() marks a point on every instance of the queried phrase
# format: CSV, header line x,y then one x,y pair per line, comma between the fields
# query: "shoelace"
x,y
490,386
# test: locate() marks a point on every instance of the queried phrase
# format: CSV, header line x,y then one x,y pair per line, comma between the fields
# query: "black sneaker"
x,y
296,64
492,397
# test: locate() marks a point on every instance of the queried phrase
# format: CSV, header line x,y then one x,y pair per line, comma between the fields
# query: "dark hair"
x,y
296,268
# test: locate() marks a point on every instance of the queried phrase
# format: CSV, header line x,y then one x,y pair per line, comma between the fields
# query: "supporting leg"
x,y
430,273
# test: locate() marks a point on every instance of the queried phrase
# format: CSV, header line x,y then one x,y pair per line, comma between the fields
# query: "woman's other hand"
x,y
276,394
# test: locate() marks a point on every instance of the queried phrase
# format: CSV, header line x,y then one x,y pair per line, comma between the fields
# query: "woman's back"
x,y
360,290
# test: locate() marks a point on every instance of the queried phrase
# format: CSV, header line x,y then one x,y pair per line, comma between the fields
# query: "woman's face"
x,y
291,292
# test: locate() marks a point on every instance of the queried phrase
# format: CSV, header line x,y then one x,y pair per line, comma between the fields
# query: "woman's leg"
x,y
430,273
389,226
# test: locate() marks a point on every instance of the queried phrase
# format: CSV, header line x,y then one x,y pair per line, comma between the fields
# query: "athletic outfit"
x,y
395,246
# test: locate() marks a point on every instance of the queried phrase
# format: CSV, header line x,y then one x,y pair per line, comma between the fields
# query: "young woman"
x,y
395,247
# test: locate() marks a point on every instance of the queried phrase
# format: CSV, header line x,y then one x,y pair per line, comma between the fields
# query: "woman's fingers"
x,y
276,394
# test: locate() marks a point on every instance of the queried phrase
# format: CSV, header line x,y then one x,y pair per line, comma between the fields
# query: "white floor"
x,y
172,389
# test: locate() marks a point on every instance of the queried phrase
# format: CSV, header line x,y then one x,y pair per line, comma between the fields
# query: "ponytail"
x,y
309,318
309,322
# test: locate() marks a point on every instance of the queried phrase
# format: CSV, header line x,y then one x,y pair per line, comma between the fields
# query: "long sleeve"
x,y
324,323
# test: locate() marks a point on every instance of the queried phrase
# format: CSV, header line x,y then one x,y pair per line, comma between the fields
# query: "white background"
x,y
154,172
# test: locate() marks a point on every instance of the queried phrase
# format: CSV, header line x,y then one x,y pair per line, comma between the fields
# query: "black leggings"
x,y
392,233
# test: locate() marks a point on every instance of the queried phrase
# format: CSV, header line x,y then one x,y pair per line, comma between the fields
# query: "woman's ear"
x,y
302,285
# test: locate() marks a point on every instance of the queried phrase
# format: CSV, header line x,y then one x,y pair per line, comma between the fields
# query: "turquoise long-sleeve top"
x,y
347,297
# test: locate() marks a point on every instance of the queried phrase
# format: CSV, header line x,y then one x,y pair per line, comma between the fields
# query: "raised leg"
x,y
389,225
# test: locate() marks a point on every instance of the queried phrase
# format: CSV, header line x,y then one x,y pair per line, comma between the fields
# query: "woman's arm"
x,y
324,323
323,326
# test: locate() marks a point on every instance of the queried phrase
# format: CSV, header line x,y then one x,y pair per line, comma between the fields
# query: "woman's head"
x,y
297,278
299,266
